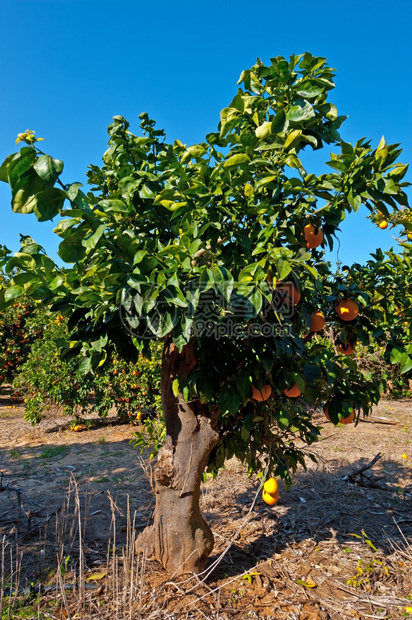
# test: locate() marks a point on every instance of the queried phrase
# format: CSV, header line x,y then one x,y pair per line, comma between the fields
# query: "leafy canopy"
x,y
190,243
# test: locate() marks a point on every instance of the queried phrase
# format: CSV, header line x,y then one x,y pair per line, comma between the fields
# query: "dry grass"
x,y
351,543
237,584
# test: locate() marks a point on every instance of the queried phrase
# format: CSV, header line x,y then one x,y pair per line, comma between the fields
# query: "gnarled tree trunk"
x,y
180,539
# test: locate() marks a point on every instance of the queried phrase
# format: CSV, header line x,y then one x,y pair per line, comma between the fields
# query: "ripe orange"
x,y
290,293
292,392
262,394
269,498
346,351
342,420
317,321
383,224
313,236
271,486
409,236
347,309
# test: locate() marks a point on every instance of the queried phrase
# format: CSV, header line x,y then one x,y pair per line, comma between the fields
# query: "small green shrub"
x,y
47,379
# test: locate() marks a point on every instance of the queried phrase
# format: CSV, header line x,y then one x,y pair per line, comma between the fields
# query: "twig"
x,y
18,491
379,420
351,477
41,525
382,601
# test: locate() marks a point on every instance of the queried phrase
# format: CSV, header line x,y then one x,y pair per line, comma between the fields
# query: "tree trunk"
x,y
180,539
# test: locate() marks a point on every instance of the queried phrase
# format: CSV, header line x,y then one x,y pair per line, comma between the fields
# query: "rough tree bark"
x,y
180,539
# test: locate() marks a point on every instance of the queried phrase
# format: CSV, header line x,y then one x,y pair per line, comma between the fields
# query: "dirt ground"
x,y
78,500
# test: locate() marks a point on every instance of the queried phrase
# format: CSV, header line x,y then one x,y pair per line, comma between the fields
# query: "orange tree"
x,y
16,333
45,379
216,250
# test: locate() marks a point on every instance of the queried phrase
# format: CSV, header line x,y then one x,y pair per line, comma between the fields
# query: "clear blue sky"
x,y
68,66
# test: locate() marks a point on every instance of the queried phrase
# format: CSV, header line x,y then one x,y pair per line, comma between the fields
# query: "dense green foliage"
x,y
17,335
45,379
190,245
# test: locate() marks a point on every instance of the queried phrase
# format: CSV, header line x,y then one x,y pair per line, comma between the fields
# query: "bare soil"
x,y
293,561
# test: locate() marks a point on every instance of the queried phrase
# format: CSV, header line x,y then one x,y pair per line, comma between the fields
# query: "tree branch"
x,y
359,472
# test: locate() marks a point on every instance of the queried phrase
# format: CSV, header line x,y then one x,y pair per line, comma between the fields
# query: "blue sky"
x,y
68,66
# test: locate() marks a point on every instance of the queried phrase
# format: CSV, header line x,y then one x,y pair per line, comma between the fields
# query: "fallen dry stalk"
x,y
359,472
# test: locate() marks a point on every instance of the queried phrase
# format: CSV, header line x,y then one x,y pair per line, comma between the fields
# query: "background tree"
x,y
216,250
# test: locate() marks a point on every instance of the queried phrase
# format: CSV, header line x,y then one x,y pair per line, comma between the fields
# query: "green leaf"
x,y
354,200
293,138
229,401
309,89
23,278
283,421
56,283
256,300
279,123
48,168
193,152
337,165
73,190
113,205
284,268
48,203
77,197
5,166
236,160
263,130
85,365
18,166
406,363
24,198
148,190
162,324
71,249
23,202
302,111
12,292
244,383
92,240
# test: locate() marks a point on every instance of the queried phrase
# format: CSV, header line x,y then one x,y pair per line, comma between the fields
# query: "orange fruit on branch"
x,y
348,350
383,224
313,236
317,321
271,486
347,309
269,498
290,293
293,392
342,420
262,394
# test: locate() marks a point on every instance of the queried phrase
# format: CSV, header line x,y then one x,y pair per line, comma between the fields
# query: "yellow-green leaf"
x,y
292,137
97,576
235,160
306,584
175,387
249,576
263,130
248,191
